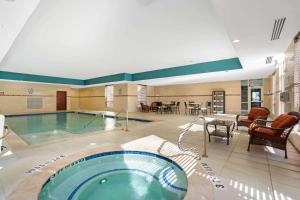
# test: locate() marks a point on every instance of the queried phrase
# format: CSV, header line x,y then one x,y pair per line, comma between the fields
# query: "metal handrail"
x,y
91,121
126,112
187,129
6,132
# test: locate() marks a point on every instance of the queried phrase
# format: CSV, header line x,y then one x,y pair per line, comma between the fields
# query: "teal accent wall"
x,y
39,78
214,66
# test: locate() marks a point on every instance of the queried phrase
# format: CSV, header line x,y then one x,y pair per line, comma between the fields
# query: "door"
x,y
61,100
256,97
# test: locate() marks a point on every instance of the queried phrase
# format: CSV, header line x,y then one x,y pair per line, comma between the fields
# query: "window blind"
x,y
109,96
142,93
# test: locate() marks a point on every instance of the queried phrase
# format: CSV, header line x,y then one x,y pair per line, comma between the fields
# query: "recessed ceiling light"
x,y
236,41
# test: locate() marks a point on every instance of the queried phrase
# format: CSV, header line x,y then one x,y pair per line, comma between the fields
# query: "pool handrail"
x,y
125,112
91,121
182,133
4,131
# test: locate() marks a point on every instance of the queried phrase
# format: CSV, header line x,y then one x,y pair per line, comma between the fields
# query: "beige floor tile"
x,y
247,175
285,192
285,176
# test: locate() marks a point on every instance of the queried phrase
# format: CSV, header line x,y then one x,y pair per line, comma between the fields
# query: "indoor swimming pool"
x,y
42,128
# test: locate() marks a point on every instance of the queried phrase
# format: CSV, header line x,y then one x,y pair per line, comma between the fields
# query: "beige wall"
x,y
132,98
125,97
15,97
120,97
267,93
200,92
92,98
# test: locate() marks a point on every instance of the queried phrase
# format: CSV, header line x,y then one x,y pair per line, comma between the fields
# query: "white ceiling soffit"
x,y
240,74
13,16
86,39
252,23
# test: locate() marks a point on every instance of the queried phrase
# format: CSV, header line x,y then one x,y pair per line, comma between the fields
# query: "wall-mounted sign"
x,y
30,90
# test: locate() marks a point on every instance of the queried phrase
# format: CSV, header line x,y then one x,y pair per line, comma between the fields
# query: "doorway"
x,y
256,97
61,100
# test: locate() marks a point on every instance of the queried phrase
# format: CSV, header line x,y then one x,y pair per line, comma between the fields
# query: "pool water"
x,y
138,189
41,128
116,175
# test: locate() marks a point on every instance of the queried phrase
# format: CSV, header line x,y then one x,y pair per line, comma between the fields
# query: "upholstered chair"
x,y
273,133
255,113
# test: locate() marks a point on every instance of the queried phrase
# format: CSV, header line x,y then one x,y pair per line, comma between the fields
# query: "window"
x,y
281,68
109,96
142,94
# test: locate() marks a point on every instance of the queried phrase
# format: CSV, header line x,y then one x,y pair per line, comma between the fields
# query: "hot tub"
x,y
117,175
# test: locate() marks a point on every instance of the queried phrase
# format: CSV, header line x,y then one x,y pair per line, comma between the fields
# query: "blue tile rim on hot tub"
x,y
120,152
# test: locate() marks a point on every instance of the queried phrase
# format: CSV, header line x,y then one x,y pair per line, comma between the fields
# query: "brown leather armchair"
x,y
255,113
276,134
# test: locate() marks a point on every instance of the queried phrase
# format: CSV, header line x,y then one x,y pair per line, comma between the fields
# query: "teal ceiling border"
x,y
108,79
214,66
38,78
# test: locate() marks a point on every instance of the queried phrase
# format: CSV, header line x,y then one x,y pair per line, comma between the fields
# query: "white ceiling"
x,y
105,37
252,21
13,16
91,38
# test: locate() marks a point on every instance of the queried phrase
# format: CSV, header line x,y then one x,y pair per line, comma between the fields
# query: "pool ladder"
x,y
186,130
117,116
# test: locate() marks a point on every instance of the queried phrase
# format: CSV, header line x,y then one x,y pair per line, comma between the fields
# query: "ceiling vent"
x,y
277,28
269,59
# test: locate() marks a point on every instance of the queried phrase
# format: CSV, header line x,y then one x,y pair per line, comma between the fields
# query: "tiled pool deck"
x,y
262,173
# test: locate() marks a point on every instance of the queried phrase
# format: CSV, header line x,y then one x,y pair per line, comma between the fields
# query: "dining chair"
x,y
186,109
178,108
203,107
